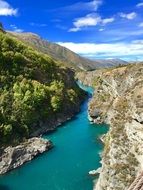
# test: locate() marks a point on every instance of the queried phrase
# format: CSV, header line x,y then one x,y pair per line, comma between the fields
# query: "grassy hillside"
x,y
33,89
64,55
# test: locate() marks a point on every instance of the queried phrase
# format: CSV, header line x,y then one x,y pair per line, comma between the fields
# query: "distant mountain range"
x,y
64,55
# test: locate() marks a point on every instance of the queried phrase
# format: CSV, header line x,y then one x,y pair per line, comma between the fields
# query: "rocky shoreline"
x,y
118,102
13,157
56,121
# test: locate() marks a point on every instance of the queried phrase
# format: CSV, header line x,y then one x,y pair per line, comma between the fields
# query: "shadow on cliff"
x,y
4,187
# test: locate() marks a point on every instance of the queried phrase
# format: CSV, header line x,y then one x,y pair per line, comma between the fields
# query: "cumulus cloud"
x,y
6,9
129,16
140,4
89,20
106,50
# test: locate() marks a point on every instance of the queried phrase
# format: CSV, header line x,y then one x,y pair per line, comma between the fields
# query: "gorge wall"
x,y
118,102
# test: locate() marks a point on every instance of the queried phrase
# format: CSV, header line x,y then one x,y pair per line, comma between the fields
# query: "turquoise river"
x,y
66,166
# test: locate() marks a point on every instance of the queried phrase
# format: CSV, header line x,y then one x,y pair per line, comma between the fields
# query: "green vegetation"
x,y
97,81
33,88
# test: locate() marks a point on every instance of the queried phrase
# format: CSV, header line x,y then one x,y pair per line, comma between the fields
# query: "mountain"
x,y
105,63
66,56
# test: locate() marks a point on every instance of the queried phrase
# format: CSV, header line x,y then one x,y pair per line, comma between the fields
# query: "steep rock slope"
x,y
67,57
118,101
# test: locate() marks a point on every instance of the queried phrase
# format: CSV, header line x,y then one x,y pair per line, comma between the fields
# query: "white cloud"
x,y
141,24
89,20
101,29
16,29
129,16
38,24
83,6
6,9
93,5
74,29
140,4
108,20
106,50
138,41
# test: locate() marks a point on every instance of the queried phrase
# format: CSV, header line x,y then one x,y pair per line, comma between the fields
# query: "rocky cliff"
x,y
118,101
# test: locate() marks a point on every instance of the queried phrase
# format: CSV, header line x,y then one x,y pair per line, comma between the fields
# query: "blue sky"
x,y
95,29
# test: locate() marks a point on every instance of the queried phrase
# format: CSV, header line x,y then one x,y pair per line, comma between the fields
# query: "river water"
x,y
66,166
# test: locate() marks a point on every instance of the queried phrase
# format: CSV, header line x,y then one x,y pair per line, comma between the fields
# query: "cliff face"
x,y
118,101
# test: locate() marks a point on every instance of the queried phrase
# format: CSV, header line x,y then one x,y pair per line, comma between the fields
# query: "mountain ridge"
x,y
64,55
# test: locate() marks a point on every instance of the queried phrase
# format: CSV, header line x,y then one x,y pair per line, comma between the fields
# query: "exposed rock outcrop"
x,y
95,172
13,157
118,98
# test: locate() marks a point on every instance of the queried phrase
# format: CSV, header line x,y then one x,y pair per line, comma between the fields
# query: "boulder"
x,y
13,157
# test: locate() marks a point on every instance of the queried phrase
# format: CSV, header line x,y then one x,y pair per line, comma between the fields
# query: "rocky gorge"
x,y
118,102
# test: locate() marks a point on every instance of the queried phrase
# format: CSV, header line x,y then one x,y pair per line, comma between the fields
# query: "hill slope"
x,y
66,56
36,94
